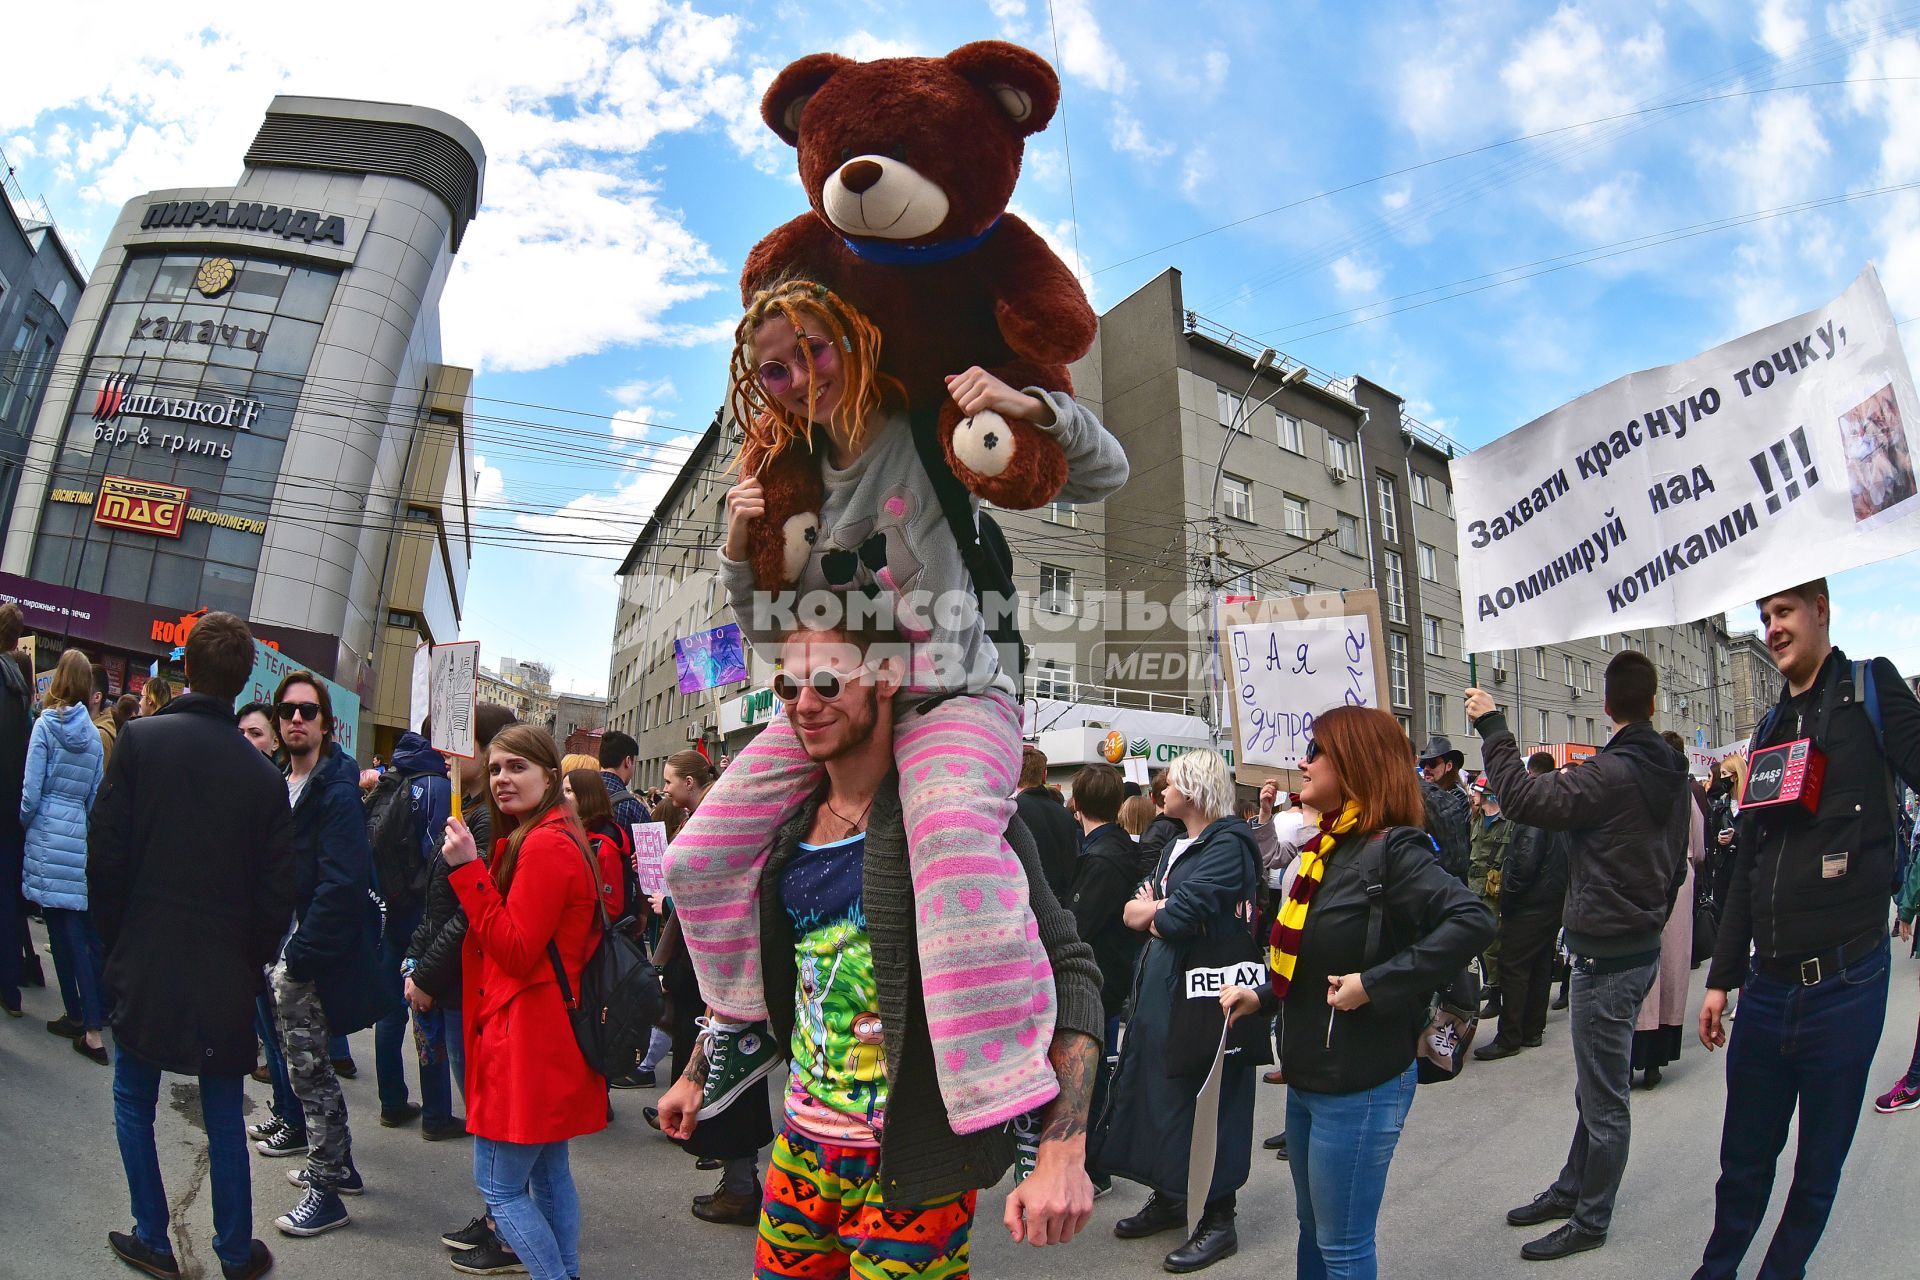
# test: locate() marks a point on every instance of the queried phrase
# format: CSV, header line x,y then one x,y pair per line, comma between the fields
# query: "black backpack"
x,y
398,867
983,547
619,1000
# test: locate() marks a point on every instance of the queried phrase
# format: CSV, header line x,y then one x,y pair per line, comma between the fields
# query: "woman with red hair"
x,y
1350,1018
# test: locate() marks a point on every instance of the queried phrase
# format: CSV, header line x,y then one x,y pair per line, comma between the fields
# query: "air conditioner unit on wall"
x,y
1338,475
693,732
1499,676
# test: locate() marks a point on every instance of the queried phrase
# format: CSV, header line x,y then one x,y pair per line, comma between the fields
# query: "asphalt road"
x,y
1472,1149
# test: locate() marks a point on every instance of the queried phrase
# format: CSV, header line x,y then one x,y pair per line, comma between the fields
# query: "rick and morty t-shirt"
x,y
837,1090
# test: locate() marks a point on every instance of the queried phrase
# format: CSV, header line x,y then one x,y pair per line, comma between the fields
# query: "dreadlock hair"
x,y
816,310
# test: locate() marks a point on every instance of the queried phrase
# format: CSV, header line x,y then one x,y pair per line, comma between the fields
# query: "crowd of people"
x,y
964,970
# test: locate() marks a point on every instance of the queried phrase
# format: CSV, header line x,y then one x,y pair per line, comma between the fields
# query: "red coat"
x,y
526,1079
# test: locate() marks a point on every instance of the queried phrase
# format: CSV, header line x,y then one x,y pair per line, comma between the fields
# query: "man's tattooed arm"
x,y
1076,1060
698,1064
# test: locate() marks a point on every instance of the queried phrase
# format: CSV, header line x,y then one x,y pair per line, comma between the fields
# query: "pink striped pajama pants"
x,y
984,974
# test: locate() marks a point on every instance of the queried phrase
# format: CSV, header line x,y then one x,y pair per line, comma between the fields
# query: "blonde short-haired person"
x,y
1204,885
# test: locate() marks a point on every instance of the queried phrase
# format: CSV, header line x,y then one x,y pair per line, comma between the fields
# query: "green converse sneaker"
x,y
738,1054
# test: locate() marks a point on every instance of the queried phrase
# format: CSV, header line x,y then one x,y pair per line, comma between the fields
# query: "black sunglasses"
x,y
825,682
1313,753
298,710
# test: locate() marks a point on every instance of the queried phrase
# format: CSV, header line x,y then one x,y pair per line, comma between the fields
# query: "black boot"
x,y
1493,1006
1560,1001
1159,1213
1211,1241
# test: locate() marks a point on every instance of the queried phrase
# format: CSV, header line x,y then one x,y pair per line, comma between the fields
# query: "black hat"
x,y
1438,748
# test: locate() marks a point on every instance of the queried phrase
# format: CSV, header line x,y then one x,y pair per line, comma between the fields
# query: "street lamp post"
x,y
1215,557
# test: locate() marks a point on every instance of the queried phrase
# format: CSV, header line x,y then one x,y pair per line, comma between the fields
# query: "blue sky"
x,y
629,173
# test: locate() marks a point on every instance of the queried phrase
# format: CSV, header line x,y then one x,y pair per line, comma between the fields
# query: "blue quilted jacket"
x,y
63,775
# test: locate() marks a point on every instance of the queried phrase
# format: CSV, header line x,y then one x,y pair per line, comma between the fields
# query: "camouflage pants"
x,y
303,1037
1490,959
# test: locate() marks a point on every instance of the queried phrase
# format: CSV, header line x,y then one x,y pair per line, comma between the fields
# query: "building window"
x,y
1291,437
1546,733
1389,510
400,618
1430,628
1571,729
1294,515
1051,680
1406,726
1300,586
1397,668
1340,454
1423,490
1436,713
1499,660
1396,588
1349,533
1567,664
1230,406
1238,580
1603,643
1591,740
1061,513
1429,563
1056,589
13,367
1586,676
1540,663
1236,497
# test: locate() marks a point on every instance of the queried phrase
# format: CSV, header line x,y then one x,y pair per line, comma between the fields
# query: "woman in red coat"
x,y
529,1089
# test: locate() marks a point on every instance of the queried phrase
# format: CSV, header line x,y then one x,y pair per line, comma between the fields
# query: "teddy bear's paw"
x,y
798,535
984,444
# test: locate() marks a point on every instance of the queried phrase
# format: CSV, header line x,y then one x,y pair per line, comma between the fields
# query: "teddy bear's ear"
x,y
1020,80
787,96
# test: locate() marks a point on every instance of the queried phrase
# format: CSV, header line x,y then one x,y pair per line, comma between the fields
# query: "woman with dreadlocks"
x,y
806,377
1350,1015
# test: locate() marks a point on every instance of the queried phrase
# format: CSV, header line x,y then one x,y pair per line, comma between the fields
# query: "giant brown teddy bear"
x,y
909,164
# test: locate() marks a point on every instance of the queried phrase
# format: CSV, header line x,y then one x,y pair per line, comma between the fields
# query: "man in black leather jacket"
x,y
1807,897
1625,815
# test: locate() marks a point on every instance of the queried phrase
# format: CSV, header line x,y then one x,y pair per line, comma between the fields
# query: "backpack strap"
x,y
1371,866
956,503
600,909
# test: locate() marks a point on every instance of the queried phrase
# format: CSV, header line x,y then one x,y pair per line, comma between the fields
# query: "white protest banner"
x,y
420,686
1203,1148
452,691
649,856
1288,660
1677,493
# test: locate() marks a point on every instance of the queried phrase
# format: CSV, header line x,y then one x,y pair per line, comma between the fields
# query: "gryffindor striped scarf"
x,y
1283,949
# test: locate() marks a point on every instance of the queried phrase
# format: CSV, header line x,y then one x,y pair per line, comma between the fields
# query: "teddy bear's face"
x,y
913,150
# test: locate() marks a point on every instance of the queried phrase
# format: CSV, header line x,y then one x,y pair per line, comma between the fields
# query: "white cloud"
x,y
1568,70
1606,212
1351,276
1782,26
1085,53
640,417
488,484
1130,136
1394,201
1059,237
1196,171
1213,70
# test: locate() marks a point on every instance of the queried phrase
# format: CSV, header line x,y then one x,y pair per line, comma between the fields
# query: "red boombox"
x,y
1790,773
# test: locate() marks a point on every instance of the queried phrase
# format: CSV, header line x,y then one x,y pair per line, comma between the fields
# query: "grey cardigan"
x,y
921,1158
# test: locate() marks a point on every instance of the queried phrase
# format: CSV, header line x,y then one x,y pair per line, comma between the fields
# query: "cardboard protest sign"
x,y
1290,659
649,856
452,691
1680,492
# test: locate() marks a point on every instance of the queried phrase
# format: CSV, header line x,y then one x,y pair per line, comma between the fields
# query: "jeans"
x,y
431,1039
659,1045
1603,1009
389,1067
338,1048
285,1104
1792,1046
80,962
529,1191
136,1092
1338,1147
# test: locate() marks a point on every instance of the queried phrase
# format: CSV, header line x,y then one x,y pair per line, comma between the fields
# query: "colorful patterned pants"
x,y
823,1218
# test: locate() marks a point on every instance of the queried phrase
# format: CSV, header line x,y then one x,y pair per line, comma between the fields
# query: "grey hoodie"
x,y
883,536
